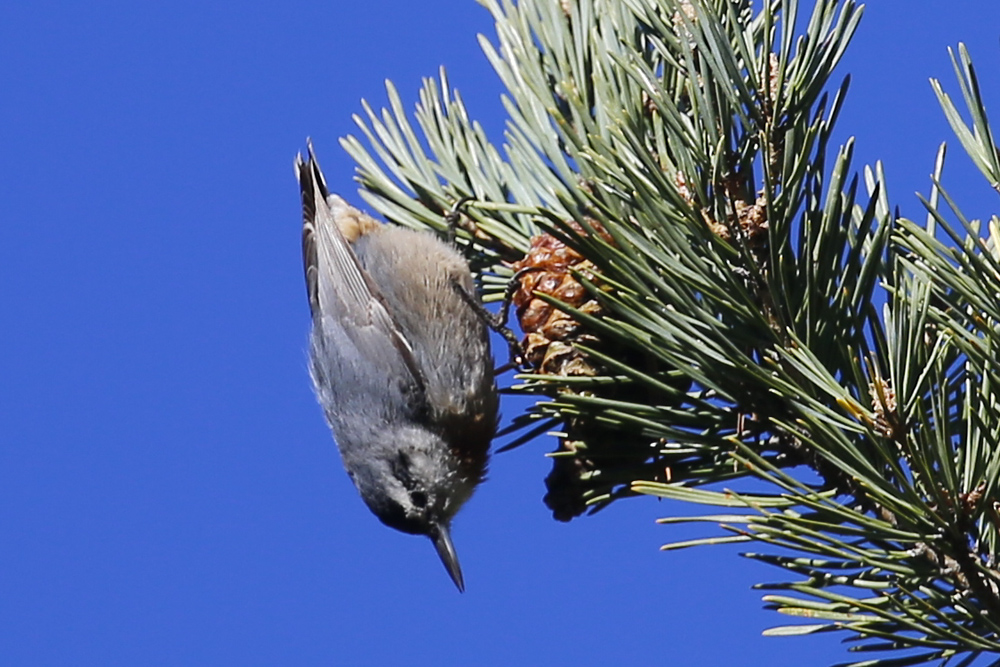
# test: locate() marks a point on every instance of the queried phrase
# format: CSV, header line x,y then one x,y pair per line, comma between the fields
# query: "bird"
x,y
400,362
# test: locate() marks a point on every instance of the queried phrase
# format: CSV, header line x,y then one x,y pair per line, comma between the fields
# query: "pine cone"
x,y
549,331
548,346
590,459
565,486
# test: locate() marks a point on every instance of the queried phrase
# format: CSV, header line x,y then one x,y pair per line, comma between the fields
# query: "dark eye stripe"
x,y
401,471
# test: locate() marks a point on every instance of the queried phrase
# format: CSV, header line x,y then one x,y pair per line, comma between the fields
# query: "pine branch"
x,y
701,277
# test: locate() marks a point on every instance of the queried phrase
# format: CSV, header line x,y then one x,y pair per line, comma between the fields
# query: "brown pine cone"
x,y
549,331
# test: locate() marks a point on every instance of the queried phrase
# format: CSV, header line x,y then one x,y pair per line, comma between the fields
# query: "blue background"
x,y
169,492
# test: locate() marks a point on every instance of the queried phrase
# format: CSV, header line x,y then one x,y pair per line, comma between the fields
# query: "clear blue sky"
x,y
169,492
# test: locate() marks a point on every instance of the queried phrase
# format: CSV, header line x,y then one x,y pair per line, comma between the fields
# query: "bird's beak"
x,y
446,550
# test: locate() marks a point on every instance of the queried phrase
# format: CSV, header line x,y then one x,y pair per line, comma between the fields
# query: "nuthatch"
x,y
400,362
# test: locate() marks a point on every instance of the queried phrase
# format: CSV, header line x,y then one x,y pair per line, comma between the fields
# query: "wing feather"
x,y
339,288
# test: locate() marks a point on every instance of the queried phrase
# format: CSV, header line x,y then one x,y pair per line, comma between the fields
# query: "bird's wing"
x,y
341,289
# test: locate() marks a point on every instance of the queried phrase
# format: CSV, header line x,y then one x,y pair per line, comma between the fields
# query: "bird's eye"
x,y
419,499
